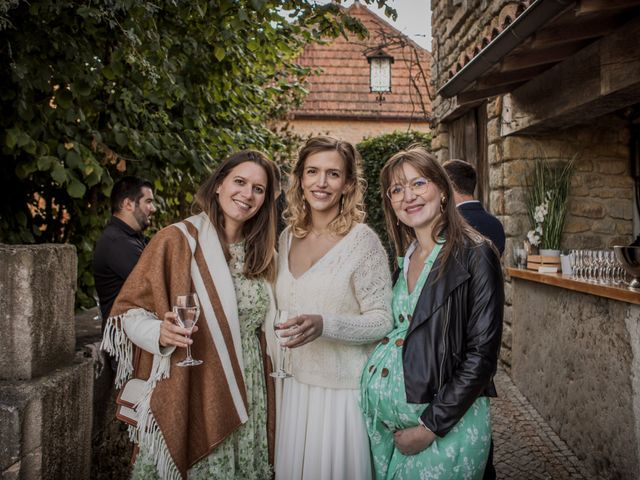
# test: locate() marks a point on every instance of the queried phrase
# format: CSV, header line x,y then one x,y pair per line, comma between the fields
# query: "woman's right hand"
x,y
172,334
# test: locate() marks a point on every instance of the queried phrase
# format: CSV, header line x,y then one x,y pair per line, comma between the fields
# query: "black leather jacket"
x,y
451,349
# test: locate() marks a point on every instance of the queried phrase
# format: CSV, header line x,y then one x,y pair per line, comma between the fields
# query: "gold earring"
x,y
443,203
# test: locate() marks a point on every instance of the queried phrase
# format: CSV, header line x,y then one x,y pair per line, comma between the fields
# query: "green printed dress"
x,y
244,454
459,455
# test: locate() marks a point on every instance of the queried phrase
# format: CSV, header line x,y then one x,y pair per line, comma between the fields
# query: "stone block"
x,y
517,148
514,201
617,181
494,107
604,226
576,225
616,193
583,165
624,228
516,173
38,284
611,166
46,424
515,225
496,175
494,157
496,202
493,130
587,207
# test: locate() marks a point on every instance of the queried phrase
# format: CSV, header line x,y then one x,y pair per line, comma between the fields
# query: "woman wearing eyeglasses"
x,y
425,388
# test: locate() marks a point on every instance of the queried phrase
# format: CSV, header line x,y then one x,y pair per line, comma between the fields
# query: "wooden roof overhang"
x,y
541,36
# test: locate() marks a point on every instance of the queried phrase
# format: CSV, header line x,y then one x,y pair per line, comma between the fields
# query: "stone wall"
x,y
460,28
46,389
353,131
576,358
600,212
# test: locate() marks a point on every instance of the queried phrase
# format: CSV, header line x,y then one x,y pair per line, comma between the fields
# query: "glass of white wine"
x,y
278,320
187,310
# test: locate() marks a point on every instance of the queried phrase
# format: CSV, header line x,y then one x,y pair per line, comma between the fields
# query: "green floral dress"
x,y
459,455
244,454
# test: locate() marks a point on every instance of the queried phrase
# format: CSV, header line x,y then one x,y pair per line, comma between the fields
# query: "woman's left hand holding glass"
x,y
413,440
302,329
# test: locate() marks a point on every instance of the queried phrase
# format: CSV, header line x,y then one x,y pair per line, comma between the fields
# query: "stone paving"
x,y
525,446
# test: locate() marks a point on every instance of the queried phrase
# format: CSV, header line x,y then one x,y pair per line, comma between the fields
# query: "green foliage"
x,y
163,89
375,152
546,202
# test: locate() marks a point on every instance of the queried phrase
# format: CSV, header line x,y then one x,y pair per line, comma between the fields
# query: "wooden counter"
x,y
621,293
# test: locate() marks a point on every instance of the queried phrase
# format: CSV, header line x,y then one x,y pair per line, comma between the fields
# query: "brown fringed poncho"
x,y
187,411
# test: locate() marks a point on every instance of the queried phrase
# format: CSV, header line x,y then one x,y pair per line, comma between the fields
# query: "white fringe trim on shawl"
x,y
117,344
146,433
150,438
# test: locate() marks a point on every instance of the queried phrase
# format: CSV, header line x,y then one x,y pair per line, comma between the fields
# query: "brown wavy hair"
x,y
259,232
298,214
449,224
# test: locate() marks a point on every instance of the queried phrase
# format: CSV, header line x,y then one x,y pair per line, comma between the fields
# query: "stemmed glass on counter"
x,y
599,266
187,310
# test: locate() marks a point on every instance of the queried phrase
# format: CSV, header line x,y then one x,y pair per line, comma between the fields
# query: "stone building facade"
x,y
340,102
518,81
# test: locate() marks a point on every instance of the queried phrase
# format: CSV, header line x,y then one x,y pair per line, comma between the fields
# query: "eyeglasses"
x,y
418,186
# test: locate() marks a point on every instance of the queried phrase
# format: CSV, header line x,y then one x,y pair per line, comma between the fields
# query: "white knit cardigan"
x,y
350,286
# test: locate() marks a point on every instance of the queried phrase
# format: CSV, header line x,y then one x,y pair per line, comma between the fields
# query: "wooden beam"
x,y
588,29
528,59
473,95
601,78
505,78
586,7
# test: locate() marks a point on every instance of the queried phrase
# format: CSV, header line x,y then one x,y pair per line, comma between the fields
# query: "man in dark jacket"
x,y
122,241
463,176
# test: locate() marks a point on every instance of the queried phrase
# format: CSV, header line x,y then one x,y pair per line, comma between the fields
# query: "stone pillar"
x,y
46,389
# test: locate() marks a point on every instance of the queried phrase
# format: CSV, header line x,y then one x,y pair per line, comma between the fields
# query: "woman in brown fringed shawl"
x,y
207,421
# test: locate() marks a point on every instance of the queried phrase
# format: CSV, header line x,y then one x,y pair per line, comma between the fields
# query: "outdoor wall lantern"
x,y
380,73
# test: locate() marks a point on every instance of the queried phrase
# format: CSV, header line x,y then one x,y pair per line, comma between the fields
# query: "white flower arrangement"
x,y
539,215
547,203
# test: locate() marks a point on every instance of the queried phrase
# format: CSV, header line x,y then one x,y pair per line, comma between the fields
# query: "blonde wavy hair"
x,y
298,213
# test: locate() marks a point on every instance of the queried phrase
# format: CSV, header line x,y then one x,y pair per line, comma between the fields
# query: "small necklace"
x,y
319,234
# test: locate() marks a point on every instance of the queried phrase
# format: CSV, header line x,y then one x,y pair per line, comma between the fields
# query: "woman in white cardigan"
x,y
334,282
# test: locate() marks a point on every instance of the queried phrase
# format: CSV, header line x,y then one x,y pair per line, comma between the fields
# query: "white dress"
x,y
320,431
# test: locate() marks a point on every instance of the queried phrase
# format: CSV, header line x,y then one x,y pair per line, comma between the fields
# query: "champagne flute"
x,y
278,320
187,310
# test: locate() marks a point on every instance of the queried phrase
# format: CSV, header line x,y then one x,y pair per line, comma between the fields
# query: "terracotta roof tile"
x,y
342,89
